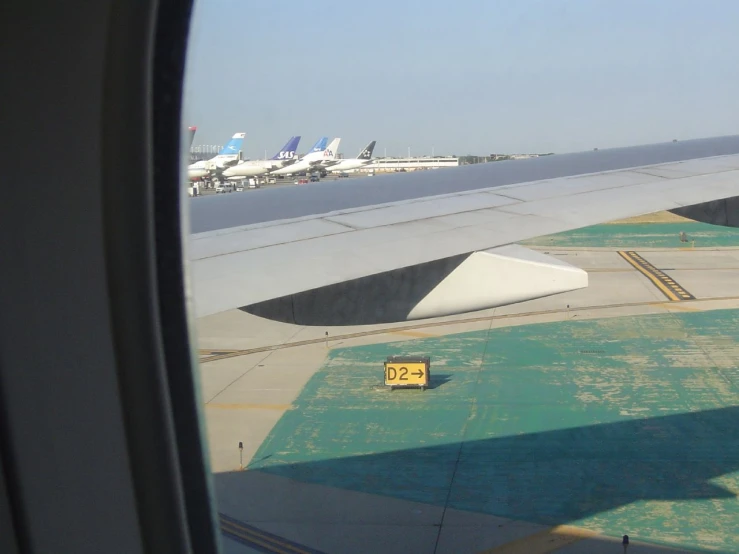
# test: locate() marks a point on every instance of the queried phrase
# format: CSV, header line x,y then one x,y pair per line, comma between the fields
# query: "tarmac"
x,y
280,183
558,424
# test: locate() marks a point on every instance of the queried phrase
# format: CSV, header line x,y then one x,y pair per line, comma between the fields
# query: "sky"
x,y
463,77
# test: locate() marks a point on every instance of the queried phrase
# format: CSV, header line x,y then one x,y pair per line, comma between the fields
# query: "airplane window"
x,y
466,351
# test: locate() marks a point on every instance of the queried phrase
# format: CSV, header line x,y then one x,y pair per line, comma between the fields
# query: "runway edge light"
x,y
408,372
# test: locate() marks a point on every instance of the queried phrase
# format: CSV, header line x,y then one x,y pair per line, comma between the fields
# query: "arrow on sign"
x,y
419,374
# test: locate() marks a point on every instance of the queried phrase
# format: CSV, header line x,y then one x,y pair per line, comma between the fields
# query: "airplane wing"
x,y
307,249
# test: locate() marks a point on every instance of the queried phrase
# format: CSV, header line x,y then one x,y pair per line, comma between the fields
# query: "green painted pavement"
x,y
642,235
624,425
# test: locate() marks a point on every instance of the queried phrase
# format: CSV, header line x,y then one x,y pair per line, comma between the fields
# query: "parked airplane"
x,y
364,157
252,168
228,156
313,159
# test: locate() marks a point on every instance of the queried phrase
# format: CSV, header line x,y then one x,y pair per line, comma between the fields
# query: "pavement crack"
x,y
258,363
463,438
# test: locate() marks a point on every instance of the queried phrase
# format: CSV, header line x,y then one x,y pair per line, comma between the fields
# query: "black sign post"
x,y
241,455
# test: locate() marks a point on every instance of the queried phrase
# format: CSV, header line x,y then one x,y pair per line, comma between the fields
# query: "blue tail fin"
x,y
287,152
234,145
320,146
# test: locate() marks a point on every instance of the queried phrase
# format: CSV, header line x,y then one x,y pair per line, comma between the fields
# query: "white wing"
x,y
313,248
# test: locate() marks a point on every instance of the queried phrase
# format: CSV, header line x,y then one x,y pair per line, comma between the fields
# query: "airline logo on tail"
x,y
233,146
366,154
320,145
332,149
287,152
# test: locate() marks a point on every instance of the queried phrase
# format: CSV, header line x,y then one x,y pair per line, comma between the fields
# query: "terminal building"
x,y
410,164
204,152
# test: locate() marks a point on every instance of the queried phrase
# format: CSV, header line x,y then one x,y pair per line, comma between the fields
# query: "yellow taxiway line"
x,y
671,289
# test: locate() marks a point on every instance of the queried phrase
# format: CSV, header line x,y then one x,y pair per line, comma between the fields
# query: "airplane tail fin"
x,y
366,154
233,146
287,152
320,145
332,149
192,130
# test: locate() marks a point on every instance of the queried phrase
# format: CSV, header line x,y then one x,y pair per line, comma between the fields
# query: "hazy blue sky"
x,y
469,76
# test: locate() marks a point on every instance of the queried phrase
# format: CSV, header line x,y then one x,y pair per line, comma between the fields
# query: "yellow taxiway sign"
x,y
407,372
